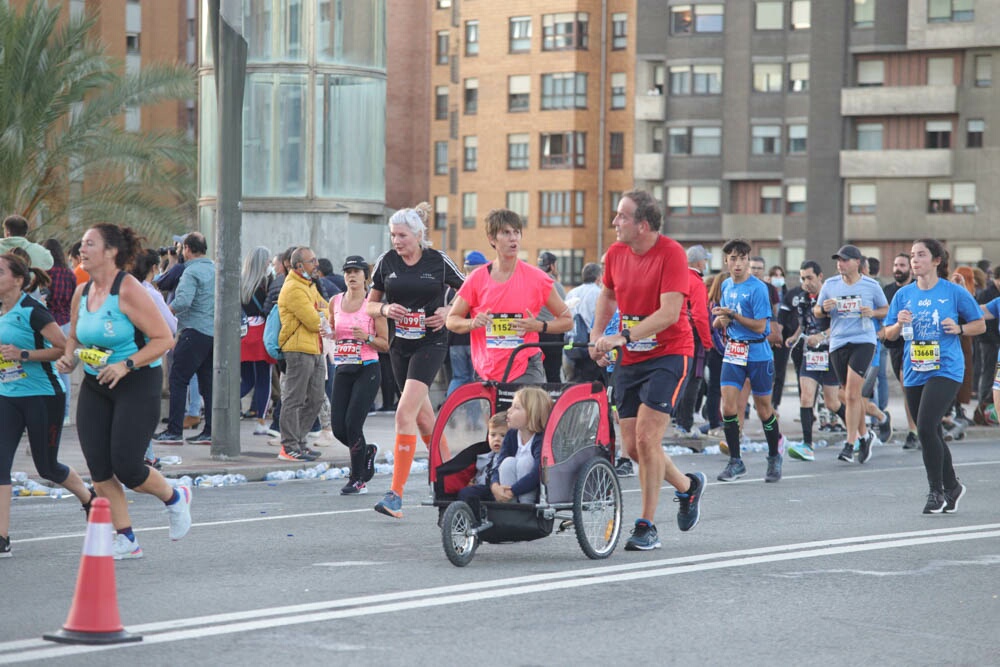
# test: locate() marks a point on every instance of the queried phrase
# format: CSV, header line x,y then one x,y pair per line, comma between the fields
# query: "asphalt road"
x,y
835,565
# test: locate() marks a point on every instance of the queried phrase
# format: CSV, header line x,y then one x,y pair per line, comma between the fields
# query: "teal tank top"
x,y
108,329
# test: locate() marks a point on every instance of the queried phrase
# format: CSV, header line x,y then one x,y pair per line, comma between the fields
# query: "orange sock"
x,y
406,445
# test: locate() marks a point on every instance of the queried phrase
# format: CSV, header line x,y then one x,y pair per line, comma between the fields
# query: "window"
x,y
441,158
801,14
619,31
770,15
798,77
566,150
707,79
470,153
974,129
984,71
517,151
688,19
132,44
470,202
864,13
569,263
770,199
765,139
869,137
441,103
442,47
519,92
616,158
871,72
518,202
520,34
656,143
613,198
706,140
767,77
618,90
659,77
565,90
940,71
563,32
937,134
693,200
861,199
441,212
680,141
795,198
443,4
472,38
951,198
561,208
680,80
950,11
471,97
797,137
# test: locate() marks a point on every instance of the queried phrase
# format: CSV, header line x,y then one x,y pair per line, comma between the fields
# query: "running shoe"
x,y
354,488
734,470
847,453
773,473
168,438
390,505
371,452
936,502
625,468
262,429
686,434
644,537
5,547
885,428
203,438
953,495
865,447
803,451
125,549
912,442
179,514
689,507
295,455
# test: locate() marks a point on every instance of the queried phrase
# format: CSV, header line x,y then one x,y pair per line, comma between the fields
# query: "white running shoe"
x,y
125,549
179,514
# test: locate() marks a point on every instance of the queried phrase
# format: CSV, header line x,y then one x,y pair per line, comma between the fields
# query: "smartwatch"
x,y
129,364
24,355
627,335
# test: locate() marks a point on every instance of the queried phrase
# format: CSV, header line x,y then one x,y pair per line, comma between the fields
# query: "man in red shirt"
x,y
646,280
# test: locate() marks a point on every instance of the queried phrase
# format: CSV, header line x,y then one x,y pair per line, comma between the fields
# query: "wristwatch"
x,y
627,335
371,338
129,364
24,355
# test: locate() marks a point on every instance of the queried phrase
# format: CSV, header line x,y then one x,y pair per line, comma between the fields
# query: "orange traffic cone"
x,y
93,617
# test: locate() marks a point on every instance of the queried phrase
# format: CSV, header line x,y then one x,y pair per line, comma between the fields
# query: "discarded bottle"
x,y
907,331
170,460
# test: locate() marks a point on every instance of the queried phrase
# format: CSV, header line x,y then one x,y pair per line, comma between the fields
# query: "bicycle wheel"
x,y
597,509
459,544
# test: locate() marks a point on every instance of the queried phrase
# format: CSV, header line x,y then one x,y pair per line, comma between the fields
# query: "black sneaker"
x,y
5,547
625,468
644,537
773,473
936,502
354,488
168,438
293,455
885,429
87,506
310,454
865,449
953,495
847,453
912,442
371,452
689,508
203,438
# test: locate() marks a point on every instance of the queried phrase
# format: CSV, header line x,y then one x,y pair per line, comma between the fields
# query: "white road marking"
x,y
349,563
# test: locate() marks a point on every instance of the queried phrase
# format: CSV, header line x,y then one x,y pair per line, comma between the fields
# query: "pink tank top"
x,y
349,350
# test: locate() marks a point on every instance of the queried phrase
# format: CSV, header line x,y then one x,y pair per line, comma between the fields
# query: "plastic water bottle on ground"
x,y
170,460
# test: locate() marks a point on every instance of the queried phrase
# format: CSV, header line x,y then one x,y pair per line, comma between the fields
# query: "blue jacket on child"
x,y
529,482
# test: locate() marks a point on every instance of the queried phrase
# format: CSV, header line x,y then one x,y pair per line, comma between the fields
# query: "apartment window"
x,y
517,151
767,77
707,79
798,77
940,71
937,134
618,90
565,90
680,80
132,44
861,199
693,200
441,158
616,159
984,71
472,38
797,138
706,140
470,202
565,150
974,129
441,103
563,32
795,199
471,96
869,136
765,139
951,198
864,13
950,11
519,92
619,31
470,153
441,212
871,72
443,4
569,263
659,78
520,34
690,19
769,15
770,199
561,208
442,47
518,202
613,198
680,141
656,142
801,14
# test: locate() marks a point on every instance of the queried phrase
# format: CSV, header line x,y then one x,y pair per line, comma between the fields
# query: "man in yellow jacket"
x,y
299,307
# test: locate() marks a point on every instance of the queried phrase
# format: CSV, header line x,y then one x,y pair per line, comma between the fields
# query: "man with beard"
x,y
894,348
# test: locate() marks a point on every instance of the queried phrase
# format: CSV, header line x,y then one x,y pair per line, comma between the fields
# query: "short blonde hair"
x,y
537,406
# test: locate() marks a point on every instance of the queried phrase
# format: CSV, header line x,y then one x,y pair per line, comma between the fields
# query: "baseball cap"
x,y
546,259
697,253
475,258
355,262
848,252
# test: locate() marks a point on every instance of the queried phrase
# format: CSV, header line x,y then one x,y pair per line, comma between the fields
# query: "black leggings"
x,y
928,404
43,417
354,389
115,425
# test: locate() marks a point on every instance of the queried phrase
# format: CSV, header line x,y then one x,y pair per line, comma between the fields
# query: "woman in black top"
x,y
413,279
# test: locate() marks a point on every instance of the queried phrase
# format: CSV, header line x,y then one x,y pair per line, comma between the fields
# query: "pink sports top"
x,y
350,350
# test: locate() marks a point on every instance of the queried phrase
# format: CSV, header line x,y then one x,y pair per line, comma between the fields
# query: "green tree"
x,y
62,101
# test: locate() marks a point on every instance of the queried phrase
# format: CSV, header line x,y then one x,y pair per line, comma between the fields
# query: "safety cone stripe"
x,y
99,539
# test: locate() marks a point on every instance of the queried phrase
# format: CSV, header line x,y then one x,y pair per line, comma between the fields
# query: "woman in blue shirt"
x,y
926,313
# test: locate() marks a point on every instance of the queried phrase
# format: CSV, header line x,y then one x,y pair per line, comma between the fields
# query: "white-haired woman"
x,y
412,278
255,362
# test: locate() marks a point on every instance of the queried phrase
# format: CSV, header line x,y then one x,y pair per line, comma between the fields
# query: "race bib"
x,y
925,355
348,351
737,353
93,357
637,345
849,306
411,326
500,334
11,371
817,360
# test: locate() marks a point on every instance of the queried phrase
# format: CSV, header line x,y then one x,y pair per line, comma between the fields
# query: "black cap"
x,y
848,252
356,262
546,259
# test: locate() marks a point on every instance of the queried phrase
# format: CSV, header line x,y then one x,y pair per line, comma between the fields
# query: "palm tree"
x,y
61,106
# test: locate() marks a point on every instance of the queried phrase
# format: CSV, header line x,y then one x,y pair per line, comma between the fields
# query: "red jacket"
x,y
697,303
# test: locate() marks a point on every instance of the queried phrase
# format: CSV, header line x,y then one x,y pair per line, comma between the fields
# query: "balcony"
x,y
923,163
751,225
650,107
648,167
898,100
